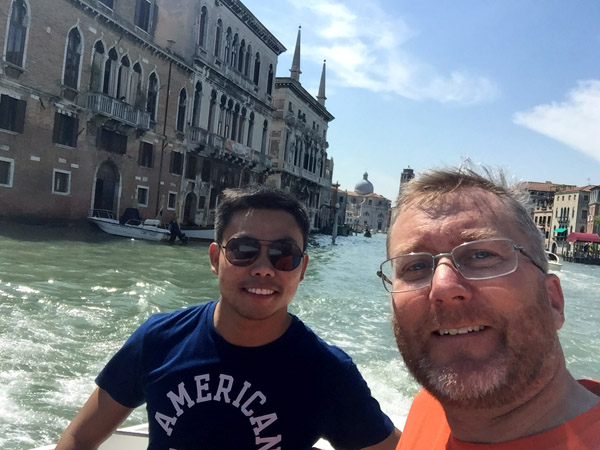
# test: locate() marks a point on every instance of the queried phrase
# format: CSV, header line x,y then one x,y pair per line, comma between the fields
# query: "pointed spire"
x,y
295,70
321,97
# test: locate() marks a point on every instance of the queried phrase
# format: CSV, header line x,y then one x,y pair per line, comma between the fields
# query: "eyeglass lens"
x,y
283,255
476,260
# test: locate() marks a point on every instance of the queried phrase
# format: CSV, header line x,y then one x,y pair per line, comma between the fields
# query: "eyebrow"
x,y
417,246
289,239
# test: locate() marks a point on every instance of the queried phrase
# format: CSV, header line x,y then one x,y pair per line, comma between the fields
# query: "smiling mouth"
x,y
260,291
455,331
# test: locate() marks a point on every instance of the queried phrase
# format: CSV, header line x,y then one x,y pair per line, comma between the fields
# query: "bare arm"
x,y
388,443
94,423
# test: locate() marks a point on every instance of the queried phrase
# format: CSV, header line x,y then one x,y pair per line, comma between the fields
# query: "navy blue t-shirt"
x,y
202,392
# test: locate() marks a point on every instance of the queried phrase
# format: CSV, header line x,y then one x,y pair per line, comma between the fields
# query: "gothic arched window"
x,y
152,96
17,33
203,27
73,59
181,109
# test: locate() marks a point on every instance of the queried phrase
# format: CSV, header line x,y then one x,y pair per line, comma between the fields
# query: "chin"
x,y
481,387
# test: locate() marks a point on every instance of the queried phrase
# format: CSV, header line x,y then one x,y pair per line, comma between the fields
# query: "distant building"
x,y
541,196
593,220
570,214
298,144
367,210
405,177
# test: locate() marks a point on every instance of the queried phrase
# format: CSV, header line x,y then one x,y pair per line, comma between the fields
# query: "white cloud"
x,y
363,46
574,122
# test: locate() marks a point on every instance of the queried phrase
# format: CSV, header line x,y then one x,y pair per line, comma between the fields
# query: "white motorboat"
x,y
149,229
553,261
136,438
199,234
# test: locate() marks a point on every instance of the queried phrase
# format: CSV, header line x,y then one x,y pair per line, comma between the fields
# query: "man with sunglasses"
x,y
239,373
476,317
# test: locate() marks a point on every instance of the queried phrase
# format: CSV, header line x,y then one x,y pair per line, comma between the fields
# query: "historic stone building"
x,y
569,215
228,104
367,210
298,147
151,104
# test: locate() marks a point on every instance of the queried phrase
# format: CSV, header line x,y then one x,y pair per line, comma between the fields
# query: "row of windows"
x,y
563,213
61,184
117,77
585,197
143,197
234,53
66,126
18,33
61,179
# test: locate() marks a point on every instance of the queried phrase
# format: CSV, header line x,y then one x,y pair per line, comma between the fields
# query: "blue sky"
x,y
507,83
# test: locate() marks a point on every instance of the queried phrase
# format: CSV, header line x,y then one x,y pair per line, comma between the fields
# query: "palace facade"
x,y
149,104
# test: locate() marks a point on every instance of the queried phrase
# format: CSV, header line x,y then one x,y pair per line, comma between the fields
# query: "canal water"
x,y
69,297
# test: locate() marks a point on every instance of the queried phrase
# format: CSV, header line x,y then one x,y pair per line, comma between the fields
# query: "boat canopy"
x,y
583,237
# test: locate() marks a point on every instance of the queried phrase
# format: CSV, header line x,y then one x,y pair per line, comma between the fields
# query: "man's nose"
x,y
447,283
262,266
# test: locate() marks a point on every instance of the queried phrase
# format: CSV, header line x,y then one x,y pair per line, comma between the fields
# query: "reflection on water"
x,y
70,297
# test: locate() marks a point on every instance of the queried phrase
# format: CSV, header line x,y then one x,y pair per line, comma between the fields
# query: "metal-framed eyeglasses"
x,y
283,254
476,260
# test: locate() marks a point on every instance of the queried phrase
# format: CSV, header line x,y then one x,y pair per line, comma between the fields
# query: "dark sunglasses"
x,y
243,251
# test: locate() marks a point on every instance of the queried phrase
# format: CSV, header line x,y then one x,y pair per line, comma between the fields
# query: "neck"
x,y
249,332
559,400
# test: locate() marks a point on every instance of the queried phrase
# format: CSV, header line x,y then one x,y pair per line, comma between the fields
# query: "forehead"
x,y
453,218
267,224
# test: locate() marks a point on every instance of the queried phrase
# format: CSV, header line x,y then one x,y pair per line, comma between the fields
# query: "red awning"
x,y
583,237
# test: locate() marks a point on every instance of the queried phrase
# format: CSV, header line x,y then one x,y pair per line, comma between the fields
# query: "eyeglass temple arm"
x,y
524,253
383,277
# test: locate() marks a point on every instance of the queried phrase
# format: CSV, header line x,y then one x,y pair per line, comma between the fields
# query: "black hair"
x,y
259,197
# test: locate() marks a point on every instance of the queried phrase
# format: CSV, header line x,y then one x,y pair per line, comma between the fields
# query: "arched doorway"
x,y
189,209
106,190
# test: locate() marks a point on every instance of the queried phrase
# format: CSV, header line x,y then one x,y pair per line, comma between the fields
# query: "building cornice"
x,y
304,95
254,25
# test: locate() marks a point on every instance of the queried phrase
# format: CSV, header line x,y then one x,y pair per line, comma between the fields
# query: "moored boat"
x,y
149,229
199,234
553,261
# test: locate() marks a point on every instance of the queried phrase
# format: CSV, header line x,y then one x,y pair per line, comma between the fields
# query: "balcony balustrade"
x,y
197,135
116,109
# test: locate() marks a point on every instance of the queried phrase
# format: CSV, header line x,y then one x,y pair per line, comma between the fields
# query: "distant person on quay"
x,y
241,372
476,316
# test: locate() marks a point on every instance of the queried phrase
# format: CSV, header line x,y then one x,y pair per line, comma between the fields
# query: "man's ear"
x,y
213,252
556,300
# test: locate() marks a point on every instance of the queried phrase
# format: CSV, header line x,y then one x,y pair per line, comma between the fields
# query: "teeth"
x,y
454,331
260,291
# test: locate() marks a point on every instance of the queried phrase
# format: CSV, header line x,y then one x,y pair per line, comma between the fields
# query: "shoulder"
x,y
591,385
182,320
426,425
314,347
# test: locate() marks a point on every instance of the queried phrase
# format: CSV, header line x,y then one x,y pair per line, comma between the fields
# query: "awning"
x,y
560,230
583,237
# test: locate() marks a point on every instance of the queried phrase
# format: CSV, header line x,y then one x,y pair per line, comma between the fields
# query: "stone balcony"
x,y
115,109
226,149
305,174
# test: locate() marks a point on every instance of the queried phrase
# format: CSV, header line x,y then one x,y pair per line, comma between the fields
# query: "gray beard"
x,y
515,367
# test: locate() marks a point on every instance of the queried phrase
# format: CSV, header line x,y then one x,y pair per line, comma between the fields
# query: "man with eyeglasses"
x,y
476,317
239,373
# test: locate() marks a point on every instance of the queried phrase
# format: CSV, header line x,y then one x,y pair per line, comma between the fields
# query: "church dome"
x,y
364,186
